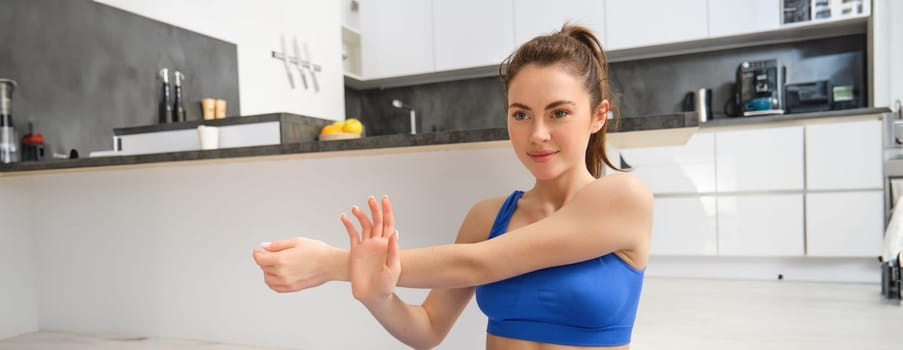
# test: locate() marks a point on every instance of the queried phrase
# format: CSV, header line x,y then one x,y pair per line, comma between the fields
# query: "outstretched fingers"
x,y
366,225
388,217
376,213
353,236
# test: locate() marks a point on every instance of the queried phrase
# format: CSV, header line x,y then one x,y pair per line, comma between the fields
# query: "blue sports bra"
x,y
590,303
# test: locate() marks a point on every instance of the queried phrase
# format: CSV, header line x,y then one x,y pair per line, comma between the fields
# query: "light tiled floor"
x,y
674,314
719,314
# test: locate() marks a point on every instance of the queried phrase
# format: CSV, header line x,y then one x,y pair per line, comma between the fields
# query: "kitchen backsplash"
x,y
85,68
641,87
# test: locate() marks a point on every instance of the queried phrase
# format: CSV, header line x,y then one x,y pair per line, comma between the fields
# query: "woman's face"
x,y
550,120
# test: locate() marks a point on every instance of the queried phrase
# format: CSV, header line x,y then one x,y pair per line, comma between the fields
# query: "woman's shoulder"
x,y
485,210
479,219
623,188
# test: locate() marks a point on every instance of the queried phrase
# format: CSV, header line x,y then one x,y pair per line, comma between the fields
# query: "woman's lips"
x,y
542,156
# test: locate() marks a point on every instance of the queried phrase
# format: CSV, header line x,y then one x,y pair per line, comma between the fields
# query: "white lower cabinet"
x,y
760,225
844,155
683,169
844,224
684,226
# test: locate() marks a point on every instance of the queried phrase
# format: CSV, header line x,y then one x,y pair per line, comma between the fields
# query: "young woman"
x,y
555,267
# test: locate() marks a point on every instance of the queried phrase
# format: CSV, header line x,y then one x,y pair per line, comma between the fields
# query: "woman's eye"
x,y
560,114
519,115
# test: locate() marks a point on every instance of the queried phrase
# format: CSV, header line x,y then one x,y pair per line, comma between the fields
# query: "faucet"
x,y
400,105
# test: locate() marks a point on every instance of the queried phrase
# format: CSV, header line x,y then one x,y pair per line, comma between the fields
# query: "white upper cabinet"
x,y
471,33
680,169
537,17
760,159
396,37
634,23
844,155
730,17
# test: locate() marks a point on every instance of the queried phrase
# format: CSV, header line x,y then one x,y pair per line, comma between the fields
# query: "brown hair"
x,y
579,51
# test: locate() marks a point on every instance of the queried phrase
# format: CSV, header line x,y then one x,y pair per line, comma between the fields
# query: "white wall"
x,y
255,27
886,52
896,51
167,251
18,307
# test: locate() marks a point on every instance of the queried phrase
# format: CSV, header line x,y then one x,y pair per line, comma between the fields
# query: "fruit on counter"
x,y
331,129
353,126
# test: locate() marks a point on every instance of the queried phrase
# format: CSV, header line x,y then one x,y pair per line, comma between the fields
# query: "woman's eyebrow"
x,y
550,106
519,105
559,103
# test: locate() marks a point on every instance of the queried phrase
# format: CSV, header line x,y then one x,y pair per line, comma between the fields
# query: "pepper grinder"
x,y
166,115
9,140
177,106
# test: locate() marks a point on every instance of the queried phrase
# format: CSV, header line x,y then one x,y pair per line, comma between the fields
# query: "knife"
x,y
288,68
312,67
299,63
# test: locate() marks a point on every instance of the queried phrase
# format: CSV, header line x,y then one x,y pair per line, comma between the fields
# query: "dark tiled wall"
x,y
458,105
85,68
642,87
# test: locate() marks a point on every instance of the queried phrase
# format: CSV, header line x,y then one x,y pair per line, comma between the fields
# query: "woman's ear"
x,y
600,116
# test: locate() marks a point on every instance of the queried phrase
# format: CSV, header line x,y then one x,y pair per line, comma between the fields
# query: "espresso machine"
x,y
759,85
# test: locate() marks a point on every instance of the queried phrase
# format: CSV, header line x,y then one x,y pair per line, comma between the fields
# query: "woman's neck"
x,y
553,193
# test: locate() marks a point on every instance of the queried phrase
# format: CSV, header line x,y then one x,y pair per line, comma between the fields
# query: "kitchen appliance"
x,y
808,97
758,87
9,141
32,145
699,101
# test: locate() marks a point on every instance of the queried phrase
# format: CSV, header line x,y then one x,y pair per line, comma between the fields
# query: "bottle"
x,y
9,152
166,103
178,108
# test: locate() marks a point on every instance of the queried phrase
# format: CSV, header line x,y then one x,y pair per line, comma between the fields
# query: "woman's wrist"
x,y
338,265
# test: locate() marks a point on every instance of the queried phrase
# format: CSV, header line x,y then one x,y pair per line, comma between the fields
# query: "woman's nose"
x,y
539,133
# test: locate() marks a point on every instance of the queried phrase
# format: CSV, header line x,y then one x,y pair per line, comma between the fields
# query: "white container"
x,y
208,137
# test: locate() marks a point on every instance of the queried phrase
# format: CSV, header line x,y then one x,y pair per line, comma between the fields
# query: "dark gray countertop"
x,y
626,124
790,117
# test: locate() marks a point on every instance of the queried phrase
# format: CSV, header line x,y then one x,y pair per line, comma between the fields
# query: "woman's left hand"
x,y
375,260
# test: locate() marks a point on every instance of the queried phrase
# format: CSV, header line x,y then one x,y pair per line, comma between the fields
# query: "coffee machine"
x,y
758,86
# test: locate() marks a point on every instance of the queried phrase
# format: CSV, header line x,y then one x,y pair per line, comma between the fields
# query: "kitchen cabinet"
x,y
688,168
767,159
537,17
635,23
471,33
396,38
760,225
731,17
844,155
844,224
684,226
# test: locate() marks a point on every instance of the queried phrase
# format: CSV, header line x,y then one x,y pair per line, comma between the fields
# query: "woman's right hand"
x,y
300,263
375,260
